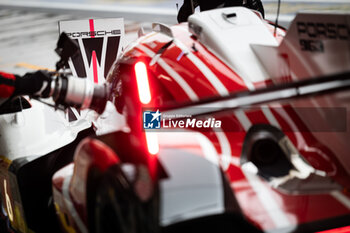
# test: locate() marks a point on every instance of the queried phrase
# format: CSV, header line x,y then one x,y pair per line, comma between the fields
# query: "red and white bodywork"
x,y
216,54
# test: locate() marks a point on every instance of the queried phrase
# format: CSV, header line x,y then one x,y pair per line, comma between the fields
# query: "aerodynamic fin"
x,y
316,44
100,42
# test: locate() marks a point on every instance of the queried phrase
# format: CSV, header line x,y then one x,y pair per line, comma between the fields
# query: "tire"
x,y
119,210
4,220
3,225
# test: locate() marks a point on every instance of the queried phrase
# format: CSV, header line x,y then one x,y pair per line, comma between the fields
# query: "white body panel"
x,y
194,188
36,131
230,39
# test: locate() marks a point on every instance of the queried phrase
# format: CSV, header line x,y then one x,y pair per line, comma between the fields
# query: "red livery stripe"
x,y
7,75
94,66
6,91
92,28
337,230
7,84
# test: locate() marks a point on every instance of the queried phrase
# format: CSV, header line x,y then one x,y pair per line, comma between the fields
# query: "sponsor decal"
x,y
311,45
314,33
99,45
89,34
92,53
318,30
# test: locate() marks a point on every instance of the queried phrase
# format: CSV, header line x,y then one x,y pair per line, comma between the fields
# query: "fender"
x,y
195,182
70,184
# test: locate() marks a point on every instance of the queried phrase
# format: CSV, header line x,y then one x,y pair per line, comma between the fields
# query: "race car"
x,y
230,124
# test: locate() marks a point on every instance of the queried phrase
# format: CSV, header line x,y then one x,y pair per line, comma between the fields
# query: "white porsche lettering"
x,y
93,33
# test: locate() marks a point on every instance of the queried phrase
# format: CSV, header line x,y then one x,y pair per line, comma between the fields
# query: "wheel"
x,y
118,208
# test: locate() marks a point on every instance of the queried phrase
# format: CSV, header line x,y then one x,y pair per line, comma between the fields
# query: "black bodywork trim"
x,y
226,222
14,105
230,201
34,179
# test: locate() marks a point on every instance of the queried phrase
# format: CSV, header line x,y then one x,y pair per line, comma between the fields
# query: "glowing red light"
x,y
337,230
142,82
152,143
